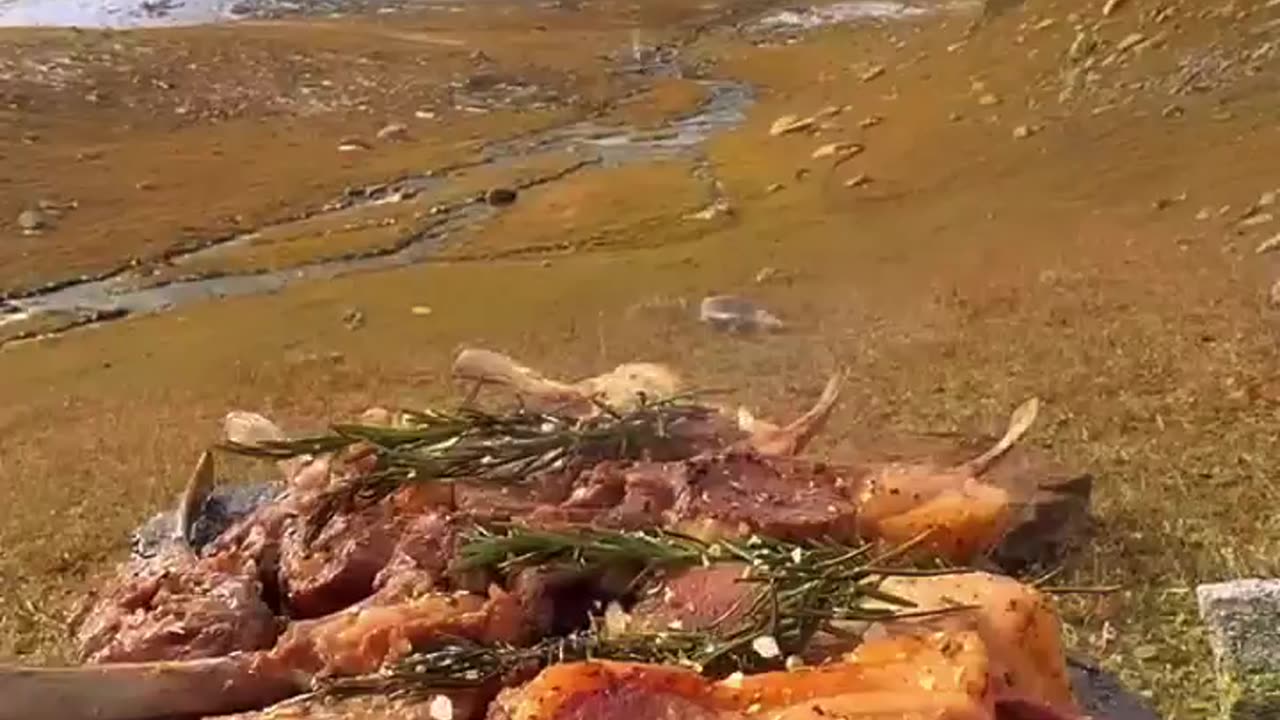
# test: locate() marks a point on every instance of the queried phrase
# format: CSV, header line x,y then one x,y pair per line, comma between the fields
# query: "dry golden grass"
x,y
975,271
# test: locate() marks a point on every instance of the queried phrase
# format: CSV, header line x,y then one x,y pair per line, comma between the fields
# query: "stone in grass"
x,y
1243,617
736,314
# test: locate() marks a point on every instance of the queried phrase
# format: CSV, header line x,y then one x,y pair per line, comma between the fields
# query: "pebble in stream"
x,y
500,197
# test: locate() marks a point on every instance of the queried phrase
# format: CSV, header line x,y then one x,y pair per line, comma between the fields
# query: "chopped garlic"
x,y
766,647
734,680
797,555
616,620
441,708
675,625
794,662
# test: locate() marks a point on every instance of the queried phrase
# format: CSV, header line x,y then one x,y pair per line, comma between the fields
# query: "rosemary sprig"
x,y
437,446
803,589
466,664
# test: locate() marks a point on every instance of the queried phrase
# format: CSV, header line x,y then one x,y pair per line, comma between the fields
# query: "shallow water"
x,y
837,13
597,145
113,13
123,14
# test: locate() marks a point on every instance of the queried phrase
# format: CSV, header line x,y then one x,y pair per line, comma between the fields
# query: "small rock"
x,y
145,185
1245,637
857,181
736,314
420,310
989,99
1266,199
424,114
871,121
1173,111
55,208
1255,220
1082,46
500,196
1204,214
1269,245
766,274
829,111
480,57
789,124
32,221
773,188
1274,296
394,131
872,73
1130,41
1023,132
353,144
1044,24
837,149
955,117
716,209
353,318
1111,6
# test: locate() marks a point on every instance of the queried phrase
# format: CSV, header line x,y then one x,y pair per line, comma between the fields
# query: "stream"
x,y
126,292
134,291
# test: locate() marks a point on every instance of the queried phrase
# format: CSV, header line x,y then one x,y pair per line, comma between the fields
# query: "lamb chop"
x,y
623,387
357,640
351,642
394,539
305,575
173,604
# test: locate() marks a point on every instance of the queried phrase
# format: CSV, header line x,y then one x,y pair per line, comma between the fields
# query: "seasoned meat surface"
x,y
175,607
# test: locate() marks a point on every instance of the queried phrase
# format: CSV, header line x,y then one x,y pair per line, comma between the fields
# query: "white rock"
x,y
1243,617
1130,41
872,73
719,208
1269,245
730,312
31,221
1258,219
789,124
837,149
1111,6
394,131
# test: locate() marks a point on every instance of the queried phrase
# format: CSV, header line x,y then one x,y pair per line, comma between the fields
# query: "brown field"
x,y
1098,263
